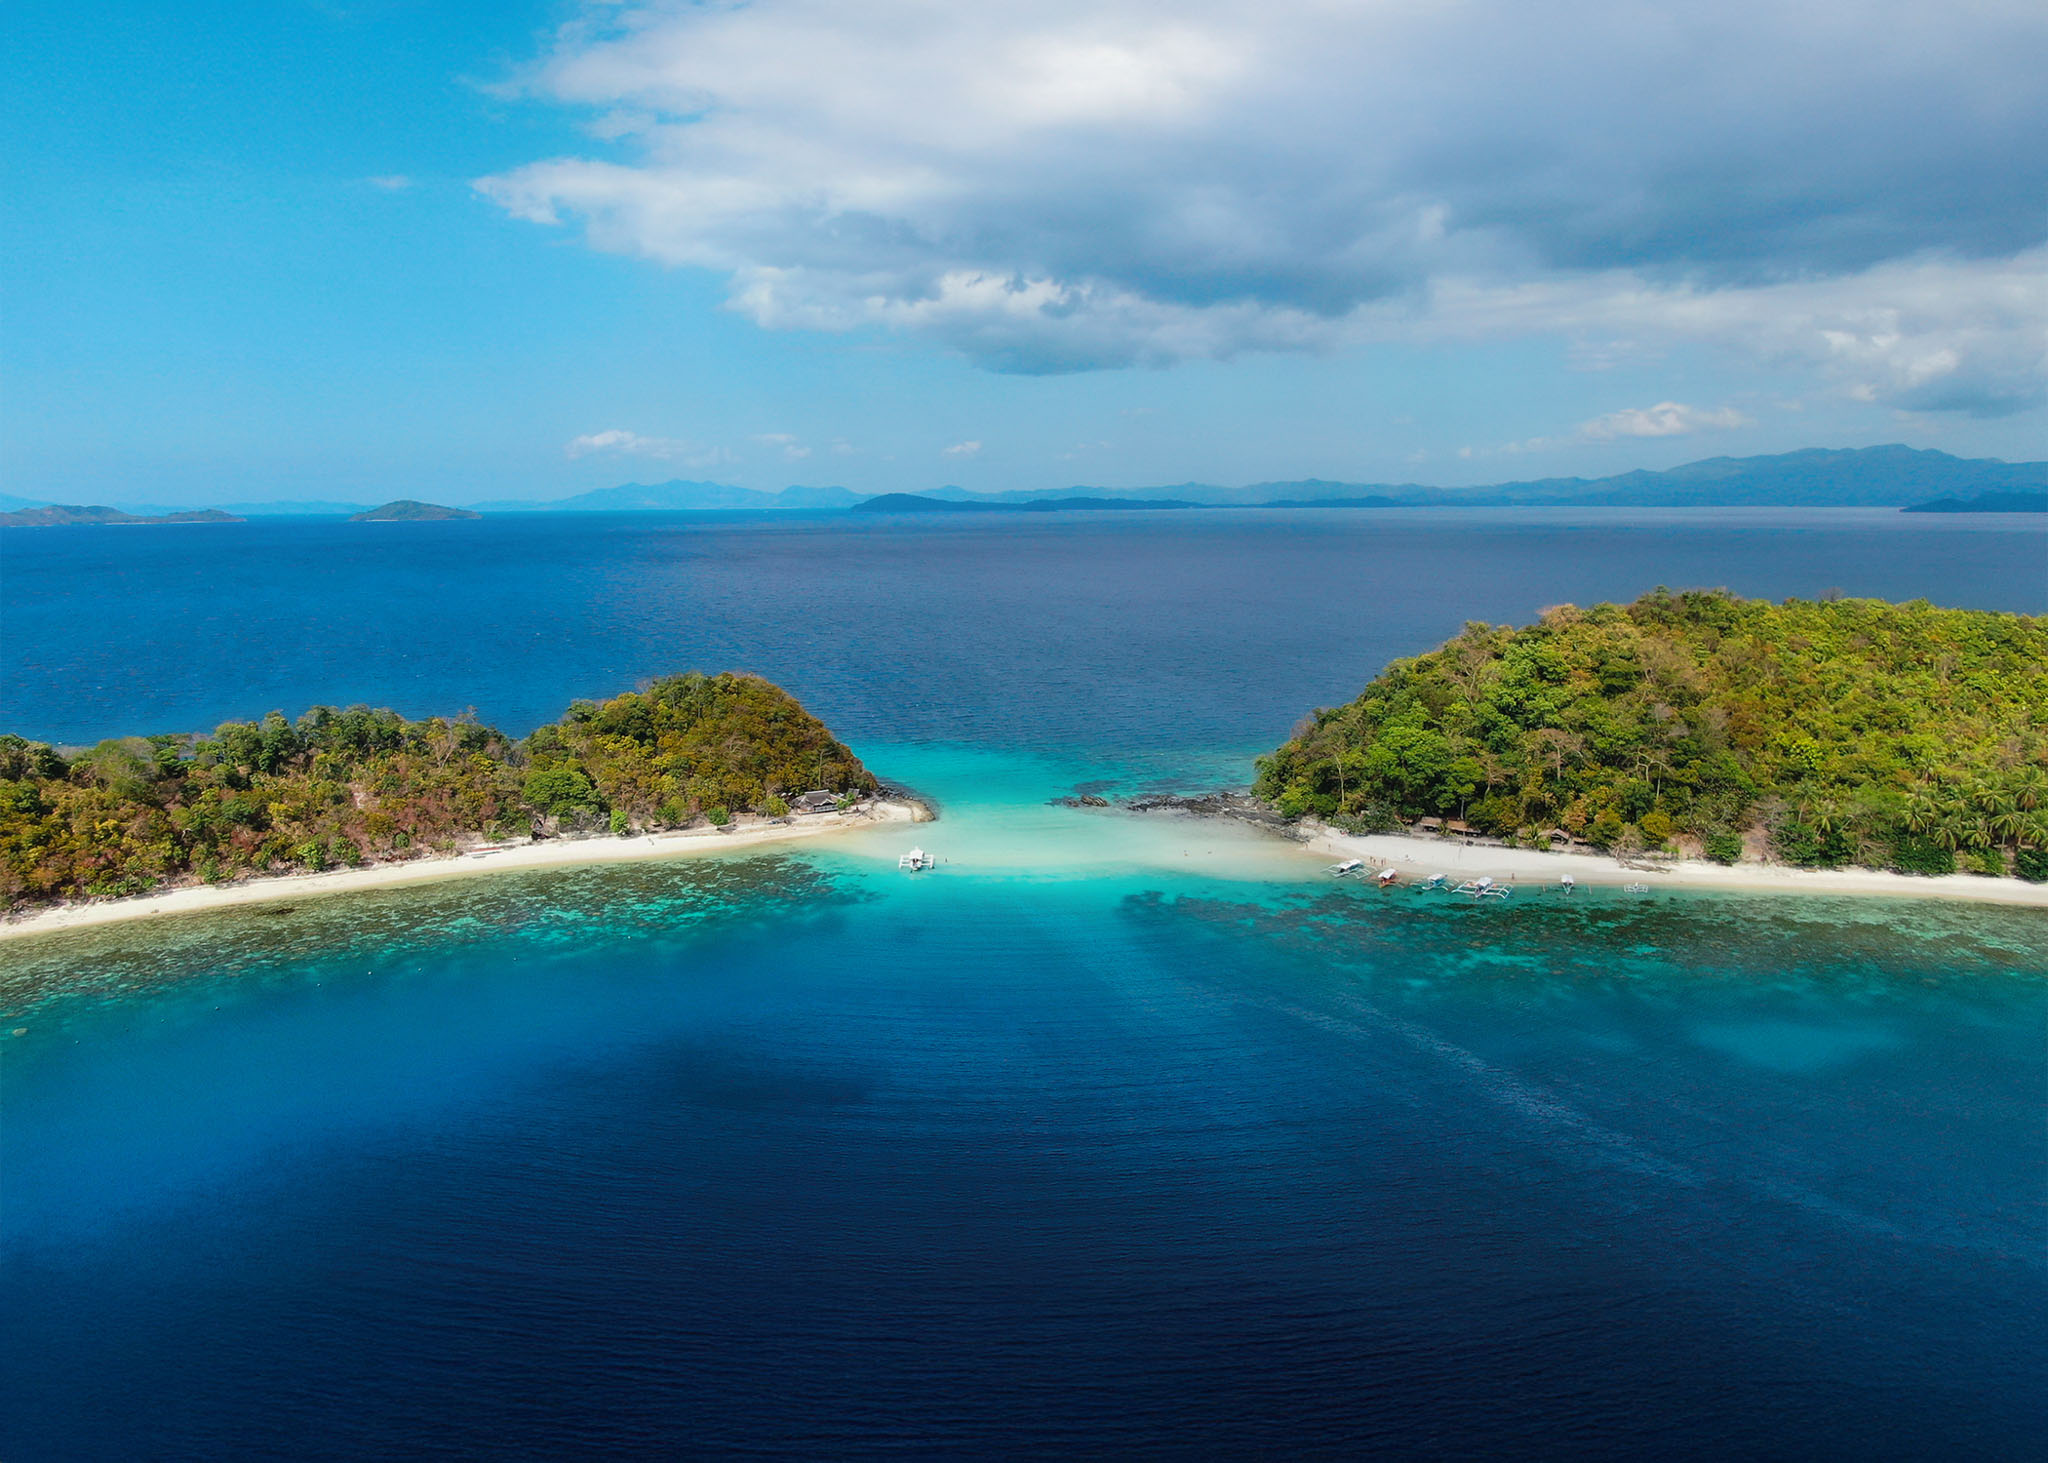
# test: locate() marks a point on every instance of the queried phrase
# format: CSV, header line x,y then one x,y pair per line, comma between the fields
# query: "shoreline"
x,y
548,853
1419,857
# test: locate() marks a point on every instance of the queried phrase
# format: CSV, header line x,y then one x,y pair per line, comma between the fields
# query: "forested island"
x,y
411,510
86,515
344,788
1817,733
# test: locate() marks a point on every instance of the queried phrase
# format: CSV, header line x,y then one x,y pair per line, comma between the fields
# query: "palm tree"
x,y
2009,822
1922,811
2030,787
1951,830
1823,812
1989,798
1963,829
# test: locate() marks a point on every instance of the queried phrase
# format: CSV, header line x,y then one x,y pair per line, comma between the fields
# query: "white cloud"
x,y
961,449
389,182
792,449
1085,183
1665,419
620,443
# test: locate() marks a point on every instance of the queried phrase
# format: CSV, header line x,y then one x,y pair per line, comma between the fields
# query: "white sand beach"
x,y
490,859
1419,857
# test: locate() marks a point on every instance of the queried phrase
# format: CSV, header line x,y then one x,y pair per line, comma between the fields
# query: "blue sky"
x,y
292,250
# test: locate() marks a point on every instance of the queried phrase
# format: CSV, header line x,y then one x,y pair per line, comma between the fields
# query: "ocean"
x,y
1112,1134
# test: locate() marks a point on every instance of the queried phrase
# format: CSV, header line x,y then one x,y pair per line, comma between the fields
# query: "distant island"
x,y
1985,503
915,503
407,510
339,789
679,495
1821,734
1861,477
71,515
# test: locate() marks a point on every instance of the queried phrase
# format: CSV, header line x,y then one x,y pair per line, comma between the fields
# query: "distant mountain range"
x,y
1864,477
669,496
914,503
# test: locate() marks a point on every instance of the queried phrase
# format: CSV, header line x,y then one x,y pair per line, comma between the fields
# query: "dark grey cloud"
x,y
1062,186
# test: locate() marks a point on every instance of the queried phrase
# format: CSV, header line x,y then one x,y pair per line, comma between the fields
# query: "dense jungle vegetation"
x,y
348,787
1820,733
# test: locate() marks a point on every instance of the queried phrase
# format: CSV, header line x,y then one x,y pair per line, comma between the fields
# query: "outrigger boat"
x,y
916,859
1386,877
1483,888
1349,866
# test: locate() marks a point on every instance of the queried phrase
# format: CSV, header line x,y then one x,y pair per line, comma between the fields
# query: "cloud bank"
x,y
1065,186
617,442
1665,419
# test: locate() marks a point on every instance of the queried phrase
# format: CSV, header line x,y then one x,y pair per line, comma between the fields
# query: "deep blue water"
x,y
1111,630
1097,1140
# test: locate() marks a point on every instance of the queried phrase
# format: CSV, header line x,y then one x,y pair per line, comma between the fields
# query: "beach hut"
x,y
819,801
1430,825
1558,835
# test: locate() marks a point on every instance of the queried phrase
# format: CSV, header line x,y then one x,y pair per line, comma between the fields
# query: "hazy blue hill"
x,y
1870,477
408,510
1866,477
1863,477
1192,495
1985,503
679,495
916,503
78,515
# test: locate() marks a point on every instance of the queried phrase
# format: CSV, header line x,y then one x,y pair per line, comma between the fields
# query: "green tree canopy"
x,y
1848,730
340,786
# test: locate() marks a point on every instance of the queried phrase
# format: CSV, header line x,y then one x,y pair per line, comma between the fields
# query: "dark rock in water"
x,y
1223,803
1081,800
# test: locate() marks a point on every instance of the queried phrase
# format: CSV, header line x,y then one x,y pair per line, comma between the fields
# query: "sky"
x,y
357,251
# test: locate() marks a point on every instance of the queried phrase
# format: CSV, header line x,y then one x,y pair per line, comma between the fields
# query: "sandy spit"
x,y
550,853
1419,857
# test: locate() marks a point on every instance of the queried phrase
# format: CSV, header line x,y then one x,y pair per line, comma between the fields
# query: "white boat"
x,y
1436,881
1349,866
1567,884
1483,888
1387,876
1635,888
917,858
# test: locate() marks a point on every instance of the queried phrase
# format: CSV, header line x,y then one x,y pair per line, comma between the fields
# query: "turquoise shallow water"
x,y
1111,1133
